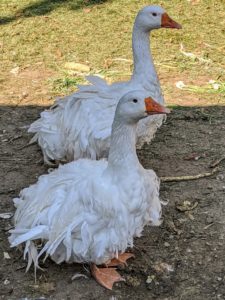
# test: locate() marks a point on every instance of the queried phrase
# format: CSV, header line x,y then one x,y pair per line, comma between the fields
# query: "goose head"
x,y
135,106
154,17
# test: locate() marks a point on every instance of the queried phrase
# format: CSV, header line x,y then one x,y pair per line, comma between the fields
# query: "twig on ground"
x,y
207,226
21,268
217,162
14,159
7,192
15,138
188,177
25,146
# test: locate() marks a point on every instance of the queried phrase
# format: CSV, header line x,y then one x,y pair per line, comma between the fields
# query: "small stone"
x,y
209,187
25,94
209,220
166,244
220,177
221,237
149,279
6,282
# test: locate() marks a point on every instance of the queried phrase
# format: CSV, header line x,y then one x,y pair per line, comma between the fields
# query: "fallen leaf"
x,y
6,255
87,10
172,226
108,63
186,206
15,71
133,281
189,215
180,85
7,215
77,67
47,287
58,53
79,275
162,267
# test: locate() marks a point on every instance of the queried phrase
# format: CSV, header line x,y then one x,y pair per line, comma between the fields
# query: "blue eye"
x,y
154,14
135,100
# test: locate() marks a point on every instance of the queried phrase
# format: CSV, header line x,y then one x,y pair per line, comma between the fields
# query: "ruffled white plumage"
x,y
84,216
76,126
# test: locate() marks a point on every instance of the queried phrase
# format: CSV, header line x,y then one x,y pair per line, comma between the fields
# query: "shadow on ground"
x,y
170,260
44,7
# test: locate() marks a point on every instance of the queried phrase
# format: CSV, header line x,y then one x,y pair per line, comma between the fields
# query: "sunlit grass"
x,y
210,88
96,32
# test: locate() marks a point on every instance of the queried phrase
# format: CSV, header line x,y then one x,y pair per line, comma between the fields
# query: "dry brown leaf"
x,y
186,206
47,287
163,267
77,67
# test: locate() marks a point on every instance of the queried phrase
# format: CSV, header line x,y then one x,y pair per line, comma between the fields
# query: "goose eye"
x,y
154,14
135,100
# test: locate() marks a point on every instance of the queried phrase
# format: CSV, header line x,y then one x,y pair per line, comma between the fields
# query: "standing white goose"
x,y
90,211
79,125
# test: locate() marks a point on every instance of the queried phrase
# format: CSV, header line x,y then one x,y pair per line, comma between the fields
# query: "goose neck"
x,y
143,62
122,152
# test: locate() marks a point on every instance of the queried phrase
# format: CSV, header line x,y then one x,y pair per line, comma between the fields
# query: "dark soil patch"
x,y
190,244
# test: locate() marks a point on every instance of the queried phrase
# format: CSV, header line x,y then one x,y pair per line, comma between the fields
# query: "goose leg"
x,y
106,276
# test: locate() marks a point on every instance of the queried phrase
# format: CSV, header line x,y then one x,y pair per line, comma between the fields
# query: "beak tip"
x,y
167,22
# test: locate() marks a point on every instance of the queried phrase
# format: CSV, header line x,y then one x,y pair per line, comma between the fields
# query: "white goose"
x,y
90,211
79,125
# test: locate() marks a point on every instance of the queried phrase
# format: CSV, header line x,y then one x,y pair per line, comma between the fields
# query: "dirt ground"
x,y
180,260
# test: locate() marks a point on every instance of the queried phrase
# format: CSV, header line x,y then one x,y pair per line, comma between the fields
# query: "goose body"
x,y
90,211
79,125
84,215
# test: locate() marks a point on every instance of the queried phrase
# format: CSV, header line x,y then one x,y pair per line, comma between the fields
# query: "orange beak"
x,y
154,108
167,22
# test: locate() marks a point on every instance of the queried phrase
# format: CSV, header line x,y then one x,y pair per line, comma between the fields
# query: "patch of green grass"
x,y
66,84
215,87
178,107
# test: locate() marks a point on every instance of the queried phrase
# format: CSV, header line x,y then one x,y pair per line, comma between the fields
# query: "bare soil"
x,y
180,260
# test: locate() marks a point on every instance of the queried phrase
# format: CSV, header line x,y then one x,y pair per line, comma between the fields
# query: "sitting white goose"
x,y
90,211
79,125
